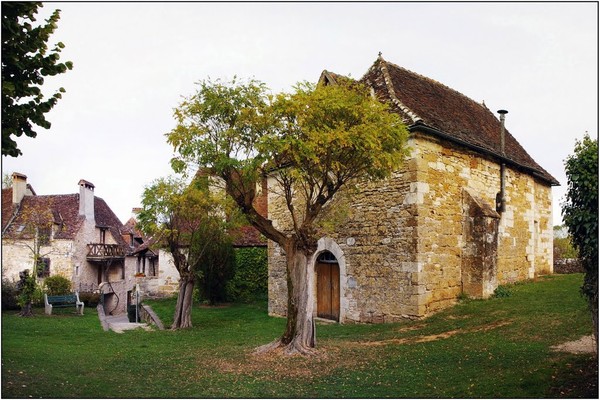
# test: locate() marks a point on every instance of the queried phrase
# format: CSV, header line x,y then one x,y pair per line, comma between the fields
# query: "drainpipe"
x,y
500,197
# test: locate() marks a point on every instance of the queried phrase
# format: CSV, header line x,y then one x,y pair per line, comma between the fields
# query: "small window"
x,y
43,270
102,236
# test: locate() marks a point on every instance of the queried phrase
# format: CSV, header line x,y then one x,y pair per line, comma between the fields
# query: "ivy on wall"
x,y
250,279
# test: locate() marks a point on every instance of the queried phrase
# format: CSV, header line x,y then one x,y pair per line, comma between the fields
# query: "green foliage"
x,y
25,63
563,248
251,273
318,139
57,285
502,291
9,295
27,288
216,268
192,222
580,213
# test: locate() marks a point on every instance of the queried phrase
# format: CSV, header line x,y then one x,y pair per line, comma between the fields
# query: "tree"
x,y
26,287
580,215
314,142
6,181
25,63
188,220
35,224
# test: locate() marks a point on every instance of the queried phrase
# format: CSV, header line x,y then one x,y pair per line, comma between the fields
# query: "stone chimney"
x,y
86,199
19,187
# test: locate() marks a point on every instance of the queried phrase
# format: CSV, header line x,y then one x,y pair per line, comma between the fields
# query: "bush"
x,y
501,292
251,275
38,297
216,269
9,295
89,299
57,285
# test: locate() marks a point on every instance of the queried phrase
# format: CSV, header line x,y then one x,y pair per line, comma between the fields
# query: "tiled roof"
x,y
7,206
248,236
105,216
433,108
62,210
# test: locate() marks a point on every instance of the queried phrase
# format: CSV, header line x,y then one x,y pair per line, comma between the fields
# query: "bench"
x,y
66,300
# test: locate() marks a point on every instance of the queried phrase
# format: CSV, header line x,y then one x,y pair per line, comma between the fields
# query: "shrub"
x,y
9,295
57,285
89,299
502,291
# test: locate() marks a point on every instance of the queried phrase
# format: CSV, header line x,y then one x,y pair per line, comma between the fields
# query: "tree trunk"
x,y
183,310
300,334
27,310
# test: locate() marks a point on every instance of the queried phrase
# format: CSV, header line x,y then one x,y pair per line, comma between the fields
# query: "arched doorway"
x,y
328,286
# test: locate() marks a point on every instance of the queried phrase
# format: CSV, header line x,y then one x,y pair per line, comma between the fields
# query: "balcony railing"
x,y
101,251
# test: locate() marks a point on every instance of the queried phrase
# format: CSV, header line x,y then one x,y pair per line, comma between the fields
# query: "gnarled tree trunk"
x,y
183,310
300,334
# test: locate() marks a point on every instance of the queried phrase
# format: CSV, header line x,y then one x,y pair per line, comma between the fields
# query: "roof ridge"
x,y
390,88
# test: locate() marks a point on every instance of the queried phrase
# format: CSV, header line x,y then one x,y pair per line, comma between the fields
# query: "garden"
x,y
501,347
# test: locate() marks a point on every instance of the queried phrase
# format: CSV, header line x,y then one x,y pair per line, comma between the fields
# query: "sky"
x,y
135,62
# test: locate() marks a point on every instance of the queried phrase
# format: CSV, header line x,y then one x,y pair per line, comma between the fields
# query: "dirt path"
x,y
586,344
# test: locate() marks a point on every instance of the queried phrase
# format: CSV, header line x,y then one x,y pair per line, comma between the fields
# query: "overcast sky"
x,y
133,62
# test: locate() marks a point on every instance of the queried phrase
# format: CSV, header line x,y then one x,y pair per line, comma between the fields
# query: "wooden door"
x,y
328,291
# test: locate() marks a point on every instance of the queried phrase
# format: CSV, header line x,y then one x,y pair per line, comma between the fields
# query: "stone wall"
x,y
165,283
404,238
17,256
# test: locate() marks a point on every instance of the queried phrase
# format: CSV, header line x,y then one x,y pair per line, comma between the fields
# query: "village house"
x,y
154,268
79,237
469,210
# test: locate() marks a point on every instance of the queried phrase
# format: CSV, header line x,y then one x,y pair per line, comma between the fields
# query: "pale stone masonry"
x,y
414,242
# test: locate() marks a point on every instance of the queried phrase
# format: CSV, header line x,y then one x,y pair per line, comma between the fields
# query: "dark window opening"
x,y
43,268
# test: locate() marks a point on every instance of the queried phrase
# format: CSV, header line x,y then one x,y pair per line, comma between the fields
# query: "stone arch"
x,y
328,244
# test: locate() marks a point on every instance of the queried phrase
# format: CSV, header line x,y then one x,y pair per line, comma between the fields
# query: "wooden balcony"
x,y
104,252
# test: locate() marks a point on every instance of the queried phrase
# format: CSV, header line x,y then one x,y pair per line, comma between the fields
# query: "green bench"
x,y
66,300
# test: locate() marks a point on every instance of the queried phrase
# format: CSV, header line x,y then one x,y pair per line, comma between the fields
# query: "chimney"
x,y
86,199
19,187
501,195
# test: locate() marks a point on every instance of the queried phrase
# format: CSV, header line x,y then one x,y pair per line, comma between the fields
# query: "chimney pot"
x,y
19,187
86,200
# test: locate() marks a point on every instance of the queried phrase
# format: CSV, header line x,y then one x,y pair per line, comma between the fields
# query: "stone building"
x,y
79,237
470,209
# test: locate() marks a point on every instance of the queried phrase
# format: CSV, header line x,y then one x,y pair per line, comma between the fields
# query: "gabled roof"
x,y
428,106
61,210
7,206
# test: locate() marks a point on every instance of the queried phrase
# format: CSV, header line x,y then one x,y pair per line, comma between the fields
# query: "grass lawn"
x,y
490,349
